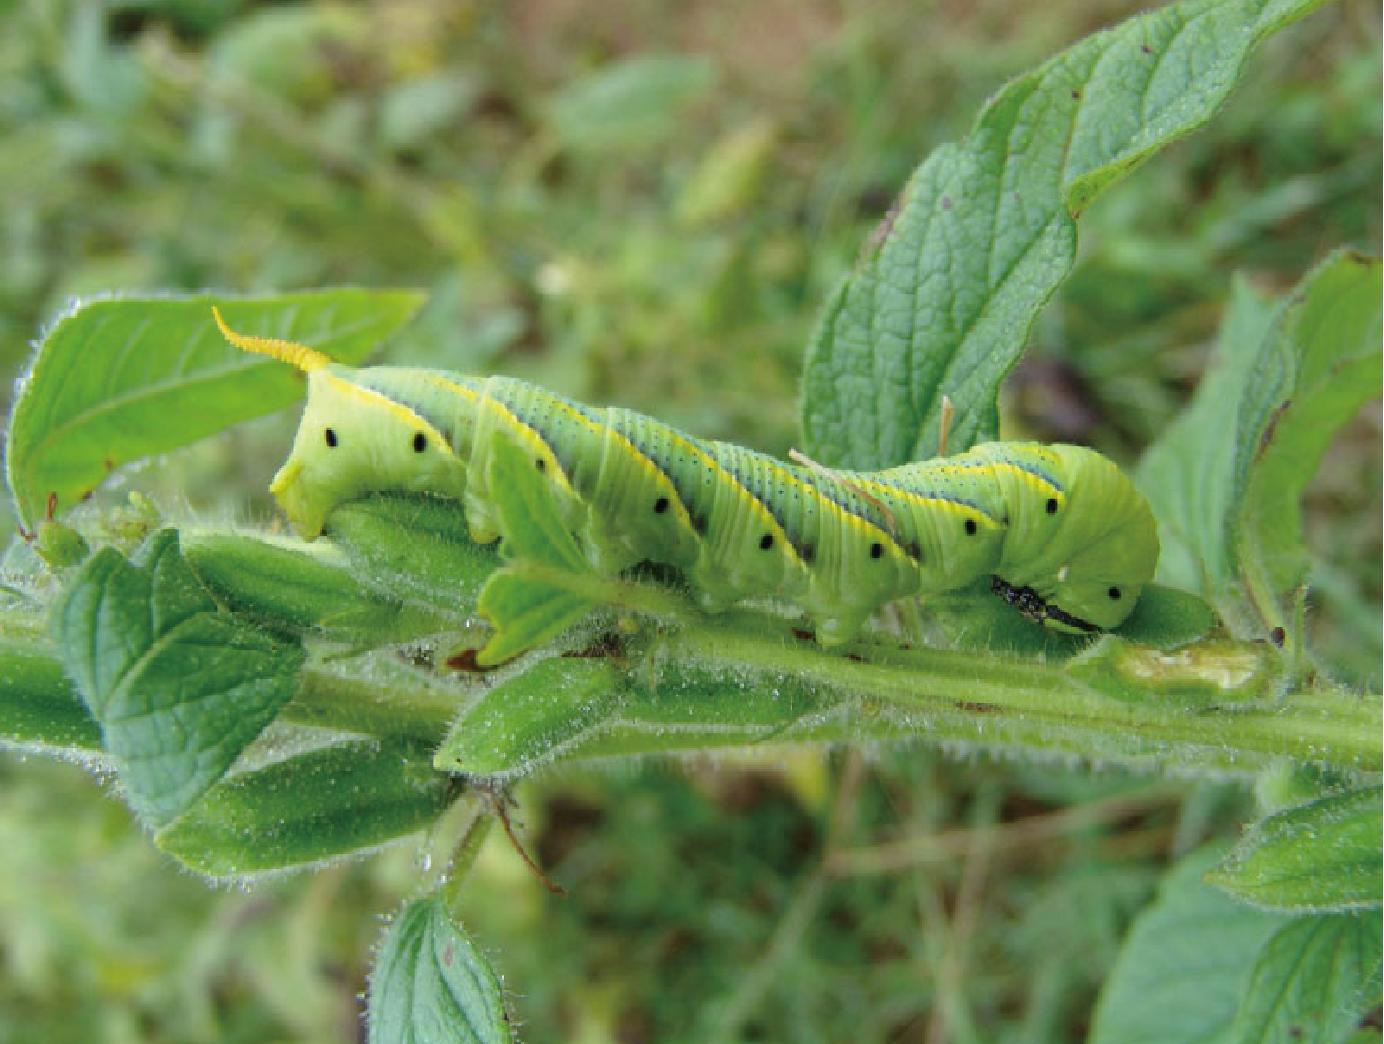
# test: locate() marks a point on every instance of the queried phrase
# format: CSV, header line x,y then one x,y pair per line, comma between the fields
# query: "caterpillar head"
x,y
1077,563
352,440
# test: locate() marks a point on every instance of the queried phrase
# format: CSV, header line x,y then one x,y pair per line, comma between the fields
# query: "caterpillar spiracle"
x,y
1063,534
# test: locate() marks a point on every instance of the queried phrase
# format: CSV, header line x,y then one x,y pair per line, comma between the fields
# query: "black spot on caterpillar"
x,y
1062,532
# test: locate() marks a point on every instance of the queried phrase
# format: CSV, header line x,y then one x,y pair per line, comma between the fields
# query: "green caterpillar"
x,y
1063,534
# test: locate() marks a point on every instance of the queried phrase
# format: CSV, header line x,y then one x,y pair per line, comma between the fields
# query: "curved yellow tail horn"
x,y
299,355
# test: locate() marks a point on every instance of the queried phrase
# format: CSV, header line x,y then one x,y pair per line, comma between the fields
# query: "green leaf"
x,y
309,807
1187,474
293,586
525,719
525,610
985,230
39,708
178,687
1226,478
633,103
1181,971
1318,366
1313,982
432,984
118,380
414,548
1322,856
1167,618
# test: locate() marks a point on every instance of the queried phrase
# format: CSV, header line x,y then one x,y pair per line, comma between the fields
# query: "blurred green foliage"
x,y
644,203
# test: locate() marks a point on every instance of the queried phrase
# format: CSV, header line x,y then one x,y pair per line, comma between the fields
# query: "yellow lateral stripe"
x,y
452,386
849,517
946,503
763,513
660,478
405,414
535,440
526,431
1036,481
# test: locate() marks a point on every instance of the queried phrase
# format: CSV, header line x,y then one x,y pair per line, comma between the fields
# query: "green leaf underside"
x,y
1183,966
1187,473
297,589
530,716
431,984
178,687
526,611
1314,980
118,380
985,229
309,807
1322,856
1226,478
39,706
413,548
1318,366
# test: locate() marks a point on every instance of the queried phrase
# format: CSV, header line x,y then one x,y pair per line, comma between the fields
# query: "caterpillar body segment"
x,y
1061,531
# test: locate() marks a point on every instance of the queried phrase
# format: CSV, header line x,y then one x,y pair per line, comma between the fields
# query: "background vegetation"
x,y
647,204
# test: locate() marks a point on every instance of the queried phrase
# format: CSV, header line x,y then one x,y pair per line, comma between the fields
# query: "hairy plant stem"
x,y
946,696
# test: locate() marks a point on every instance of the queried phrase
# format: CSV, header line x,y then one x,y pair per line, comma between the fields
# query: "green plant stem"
x,y
332,699
1043,704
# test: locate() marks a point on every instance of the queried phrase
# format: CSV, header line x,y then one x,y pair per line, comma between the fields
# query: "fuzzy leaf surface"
x,y
985,230
1321,856
431,984
118,380
309,807
178,687
1314,980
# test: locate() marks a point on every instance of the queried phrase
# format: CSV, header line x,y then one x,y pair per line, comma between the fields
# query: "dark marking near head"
x,y
1031,604
766,541
1114,594
1051,506
876,550
1278,636
971,527
1076,94
699,523
420,442
330,436
540,464
660,505
807,552
803,635
915,552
